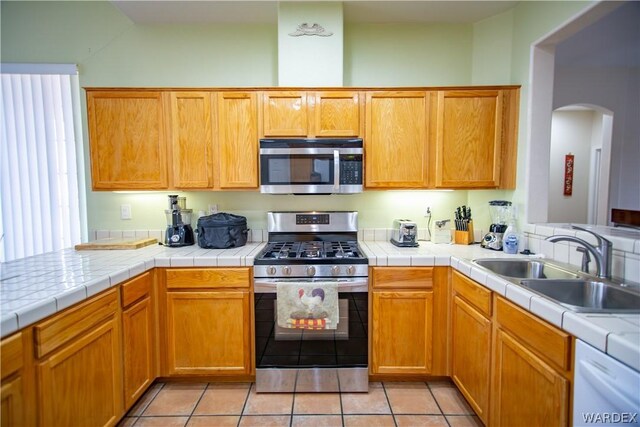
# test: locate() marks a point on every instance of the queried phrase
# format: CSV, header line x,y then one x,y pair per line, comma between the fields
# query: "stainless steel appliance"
x,y
311,166
405,233
179,231
322,248
501,213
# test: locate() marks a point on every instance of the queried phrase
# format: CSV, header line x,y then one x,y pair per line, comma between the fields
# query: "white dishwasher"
x,y
606,391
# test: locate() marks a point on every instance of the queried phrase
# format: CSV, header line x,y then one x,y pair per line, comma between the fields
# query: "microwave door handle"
x,y
336,170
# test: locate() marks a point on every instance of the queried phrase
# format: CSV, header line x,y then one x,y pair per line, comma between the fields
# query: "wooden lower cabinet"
x,y
408,321
531,369
138,336
79,365
209,333
17,385
208,322
80,383
137,346
471,355
526,390
401,327
12,407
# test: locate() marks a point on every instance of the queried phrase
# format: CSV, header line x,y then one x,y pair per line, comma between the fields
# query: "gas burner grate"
x,y
310,250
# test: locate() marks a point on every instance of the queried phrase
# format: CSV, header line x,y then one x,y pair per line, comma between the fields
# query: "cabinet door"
x,y
137,325
396,140
526,391
238,140
471,348
127,140
81,384
192,141
285,114
468,139
209,333
11,409
401,332
336,114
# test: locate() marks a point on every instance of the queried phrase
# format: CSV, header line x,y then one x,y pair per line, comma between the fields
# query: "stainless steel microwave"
x,y
311,166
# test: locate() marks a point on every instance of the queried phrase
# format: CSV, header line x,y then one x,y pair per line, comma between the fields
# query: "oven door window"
x,y
296,169
296,348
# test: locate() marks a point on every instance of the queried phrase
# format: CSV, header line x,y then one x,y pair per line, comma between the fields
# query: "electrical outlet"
x,y
427,213
125,211
213,208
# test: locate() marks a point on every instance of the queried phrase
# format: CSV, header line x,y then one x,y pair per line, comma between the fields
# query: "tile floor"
x,y
436,403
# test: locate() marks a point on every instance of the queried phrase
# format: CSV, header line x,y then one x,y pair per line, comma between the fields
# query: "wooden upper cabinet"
x,y
192,139
396,139
284,114
336,114
471,128
318,114
128,144
238,140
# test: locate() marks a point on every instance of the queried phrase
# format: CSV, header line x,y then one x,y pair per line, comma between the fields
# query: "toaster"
x,y
404,233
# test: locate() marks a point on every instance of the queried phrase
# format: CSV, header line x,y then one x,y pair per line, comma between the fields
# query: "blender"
x,y
501,213
179,231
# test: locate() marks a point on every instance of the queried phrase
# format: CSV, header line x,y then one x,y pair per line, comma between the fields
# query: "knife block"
x,y
464,237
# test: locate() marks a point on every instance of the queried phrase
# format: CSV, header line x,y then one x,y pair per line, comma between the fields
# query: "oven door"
x,y
303,360
310,170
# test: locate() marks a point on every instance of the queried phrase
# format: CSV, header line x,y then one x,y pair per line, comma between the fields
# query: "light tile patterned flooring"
x,y
434,403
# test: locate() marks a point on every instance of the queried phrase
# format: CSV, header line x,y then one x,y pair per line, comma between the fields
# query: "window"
x,y
41,160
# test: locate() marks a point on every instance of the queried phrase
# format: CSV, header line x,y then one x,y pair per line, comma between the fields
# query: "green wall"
x,y
112,51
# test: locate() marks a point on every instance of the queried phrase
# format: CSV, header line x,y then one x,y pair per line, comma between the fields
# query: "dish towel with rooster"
x,y
307,305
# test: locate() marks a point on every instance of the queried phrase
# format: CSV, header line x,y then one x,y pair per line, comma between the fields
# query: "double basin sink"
x,y
575,291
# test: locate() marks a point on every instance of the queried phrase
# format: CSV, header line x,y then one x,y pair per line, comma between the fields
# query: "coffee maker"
x,y
501,213
179,231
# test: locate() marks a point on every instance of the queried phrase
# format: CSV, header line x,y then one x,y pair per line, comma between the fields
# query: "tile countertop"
x,y
36,287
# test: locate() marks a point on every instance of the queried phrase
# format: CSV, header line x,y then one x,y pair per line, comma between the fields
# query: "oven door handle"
x,y
336,170
349,285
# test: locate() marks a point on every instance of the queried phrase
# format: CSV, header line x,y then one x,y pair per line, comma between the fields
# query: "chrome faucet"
x,y
601,252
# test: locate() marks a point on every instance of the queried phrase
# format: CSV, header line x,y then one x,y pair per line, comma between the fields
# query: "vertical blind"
x,y
40,202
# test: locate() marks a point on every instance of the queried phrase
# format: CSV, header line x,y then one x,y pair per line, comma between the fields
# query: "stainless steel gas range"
x,y
318,248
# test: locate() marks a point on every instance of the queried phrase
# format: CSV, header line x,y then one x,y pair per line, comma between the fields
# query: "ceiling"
x,y
238,11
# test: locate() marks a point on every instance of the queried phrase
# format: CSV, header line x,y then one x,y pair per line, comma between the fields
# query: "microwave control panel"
x,y
350,172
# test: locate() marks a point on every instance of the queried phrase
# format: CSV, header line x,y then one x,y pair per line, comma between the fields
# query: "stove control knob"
x,y
286,270
350,270
335,270
271,270
311,270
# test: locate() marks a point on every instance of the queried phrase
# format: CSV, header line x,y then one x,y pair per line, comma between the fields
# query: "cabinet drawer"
x,y
65,326
135,289
190,278
402,277
473,293
11,351
547,341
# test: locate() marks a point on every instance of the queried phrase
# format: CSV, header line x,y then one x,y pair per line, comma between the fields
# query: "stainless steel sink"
x,y
586,295
525,268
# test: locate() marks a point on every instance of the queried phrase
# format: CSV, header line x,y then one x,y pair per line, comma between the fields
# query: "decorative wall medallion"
x,y
305,29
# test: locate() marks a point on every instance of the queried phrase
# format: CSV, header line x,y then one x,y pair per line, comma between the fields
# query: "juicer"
x,y
179,231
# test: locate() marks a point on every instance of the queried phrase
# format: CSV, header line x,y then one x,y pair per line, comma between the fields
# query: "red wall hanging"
x,y
568,174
